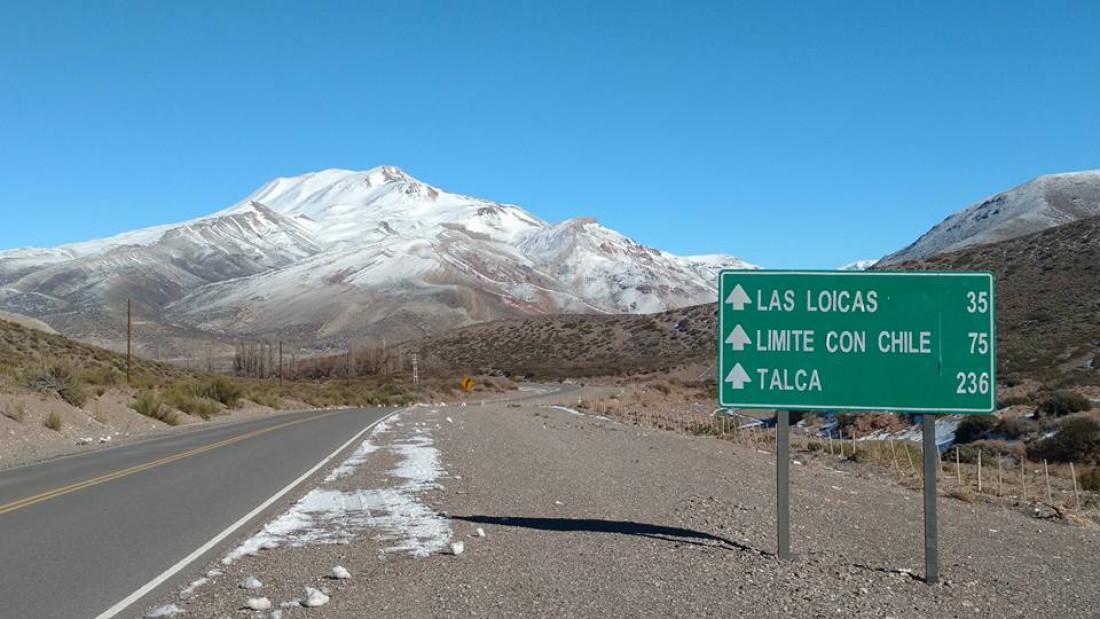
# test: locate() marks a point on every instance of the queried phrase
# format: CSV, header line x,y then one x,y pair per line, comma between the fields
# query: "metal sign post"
x,y
915,342
783,484
931,530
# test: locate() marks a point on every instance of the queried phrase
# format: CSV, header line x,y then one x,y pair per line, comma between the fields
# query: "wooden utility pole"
x,y
280,364
129,340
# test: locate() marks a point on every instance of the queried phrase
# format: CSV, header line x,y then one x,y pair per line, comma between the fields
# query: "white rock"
x,y
457,548
449,420
164,611
340,573
251,583
312,598
480,532
258,604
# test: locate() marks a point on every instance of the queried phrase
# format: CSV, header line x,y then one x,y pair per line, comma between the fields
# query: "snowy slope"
x,y
338,254
858,265
1039,204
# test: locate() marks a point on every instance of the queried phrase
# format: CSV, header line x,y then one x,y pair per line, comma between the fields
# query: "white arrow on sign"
x,y
737,377
738,299
738,338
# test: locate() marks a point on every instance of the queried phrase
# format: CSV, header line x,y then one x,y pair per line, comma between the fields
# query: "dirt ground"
x,y
587,517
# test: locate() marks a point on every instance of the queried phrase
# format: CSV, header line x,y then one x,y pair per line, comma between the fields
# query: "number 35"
x,y
977,302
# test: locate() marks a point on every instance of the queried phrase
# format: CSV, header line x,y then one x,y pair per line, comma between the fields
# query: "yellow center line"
x,y
88,483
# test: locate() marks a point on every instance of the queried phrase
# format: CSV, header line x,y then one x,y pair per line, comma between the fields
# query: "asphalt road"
x,y
80,534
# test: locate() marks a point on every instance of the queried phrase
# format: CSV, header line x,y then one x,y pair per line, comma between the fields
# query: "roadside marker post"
x,y
900,342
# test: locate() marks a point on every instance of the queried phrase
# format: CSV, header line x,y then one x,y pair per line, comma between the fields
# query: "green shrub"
x,y
74,393
1016,428
181,397
105,376
861,454
150,404
1077,441
58,378
1090,480
53,422
990,450
50,378
1063,402
264,397
224,390
974,427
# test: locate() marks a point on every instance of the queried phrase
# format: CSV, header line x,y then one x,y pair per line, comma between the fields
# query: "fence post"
x,y
1076,496
1046,473
979,470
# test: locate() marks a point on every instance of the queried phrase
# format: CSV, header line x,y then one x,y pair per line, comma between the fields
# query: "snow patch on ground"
x,y
573,411
169,610
395,515
420,466
946,425
190,589
349,466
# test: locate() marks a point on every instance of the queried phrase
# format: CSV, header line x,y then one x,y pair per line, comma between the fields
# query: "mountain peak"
x,y
387,174
1043,202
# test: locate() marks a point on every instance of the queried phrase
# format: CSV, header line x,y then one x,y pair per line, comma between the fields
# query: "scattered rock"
x,y
312,598
339,573
258,604
251,583
457,548
449,420
479,532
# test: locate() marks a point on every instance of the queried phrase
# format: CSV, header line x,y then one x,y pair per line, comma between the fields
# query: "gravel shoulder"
x,y
585,517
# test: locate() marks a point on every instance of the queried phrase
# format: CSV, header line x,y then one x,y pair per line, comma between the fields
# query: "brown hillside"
x,y
577,345
1048,287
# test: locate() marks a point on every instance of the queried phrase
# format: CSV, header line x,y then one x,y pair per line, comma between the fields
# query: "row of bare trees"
x,y
267,360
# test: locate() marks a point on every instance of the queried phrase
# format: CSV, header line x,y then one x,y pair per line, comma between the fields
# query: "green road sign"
x,y
871,341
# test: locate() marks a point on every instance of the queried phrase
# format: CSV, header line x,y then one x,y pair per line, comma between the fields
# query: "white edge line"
x,y
220,537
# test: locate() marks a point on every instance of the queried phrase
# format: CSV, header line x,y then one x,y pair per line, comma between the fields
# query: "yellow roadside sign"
x,y
467,383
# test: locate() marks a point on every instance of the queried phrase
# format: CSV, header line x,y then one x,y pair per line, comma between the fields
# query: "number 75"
x,y
979,343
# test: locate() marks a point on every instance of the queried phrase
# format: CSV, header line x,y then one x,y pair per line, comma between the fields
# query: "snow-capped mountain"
x,y
858,265
1042,203
339,254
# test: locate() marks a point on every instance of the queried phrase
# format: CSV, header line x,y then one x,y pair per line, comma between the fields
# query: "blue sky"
x,y
790,134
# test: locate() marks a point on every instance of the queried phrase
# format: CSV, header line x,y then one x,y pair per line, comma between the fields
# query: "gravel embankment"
x,y
589,518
